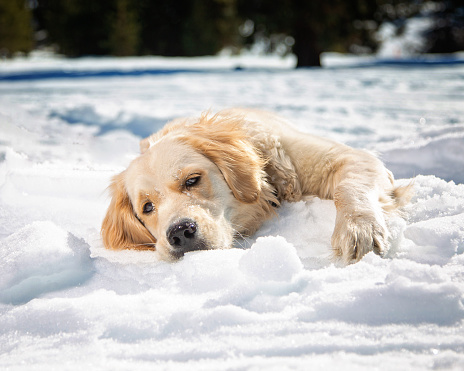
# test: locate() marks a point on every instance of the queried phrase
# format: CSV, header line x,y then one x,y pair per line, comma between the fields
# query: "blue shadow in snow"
x,y
415,62
141,126
419,61
69,272
60,74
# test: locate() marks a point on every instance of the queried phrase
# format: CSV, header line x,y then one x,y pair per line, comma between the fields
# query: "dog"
x,y
200,183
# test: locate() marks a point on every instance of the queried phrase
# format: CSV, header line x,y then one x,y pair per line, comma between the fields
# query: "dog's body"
x,y
201,182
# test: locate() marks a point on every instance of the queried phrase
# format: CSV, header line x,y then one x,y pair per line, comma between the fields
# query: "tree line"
x,y
204,27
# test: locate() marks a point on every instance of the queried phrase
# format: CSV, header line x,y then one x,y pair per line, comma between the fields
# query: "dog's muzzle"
x,y
183,237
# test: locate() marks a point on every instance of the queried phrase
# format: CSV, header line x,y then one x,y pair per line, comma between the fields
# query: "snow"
x,y
275,302
28,271
411,41
50,66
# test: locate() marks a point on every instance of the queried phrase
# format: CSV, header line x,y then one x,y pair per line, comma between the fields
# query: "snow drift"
x,y
275,301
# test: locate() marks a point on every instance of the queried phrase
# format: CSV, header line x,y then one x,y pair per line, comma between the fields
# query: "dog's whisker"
x,y
242,237
148,244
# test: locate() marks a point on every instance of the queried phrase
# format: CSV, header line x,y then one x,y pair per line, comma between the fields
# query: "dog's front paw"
x,y
356,235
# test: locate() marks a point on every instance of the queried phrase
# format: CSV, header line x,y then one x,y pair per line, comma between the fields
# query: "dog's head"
x,y
195,186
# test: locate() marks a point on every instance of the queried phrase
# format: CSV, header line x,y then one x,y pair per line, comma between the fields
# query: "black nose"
x,y
182,235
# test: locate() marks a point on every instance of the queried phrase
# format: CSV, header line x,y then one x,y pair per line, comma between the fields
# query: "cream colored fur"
x,y
248,161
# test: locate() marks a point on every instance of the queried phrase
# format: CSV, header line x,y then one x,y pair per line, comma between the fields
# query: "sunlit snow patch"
x,y
271,259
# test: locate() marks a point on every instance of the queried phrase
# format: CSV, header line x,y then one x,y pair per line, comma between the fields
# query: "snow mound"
x,y
41,258
410,293
434,151
271,259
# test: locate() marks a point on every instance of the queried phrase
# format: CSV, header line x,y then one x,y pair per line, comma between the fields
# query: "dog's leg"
x,y
364,194
361,187
360,224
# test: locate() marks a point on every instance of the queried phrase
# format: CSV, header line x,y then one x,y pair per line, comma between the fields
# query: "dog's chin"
x,y
177,254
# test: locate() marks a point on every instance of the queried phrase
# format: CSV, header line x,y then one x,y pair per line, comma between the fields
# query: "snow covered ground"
x,y
67,303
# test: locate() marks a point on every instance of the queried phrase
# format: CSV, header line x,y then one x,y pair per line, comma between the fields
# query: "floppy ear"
x,y
120,228
223,141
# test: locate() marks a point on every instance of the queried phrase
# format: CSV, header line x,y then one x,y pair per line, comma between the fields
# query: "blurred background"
x,y
305,28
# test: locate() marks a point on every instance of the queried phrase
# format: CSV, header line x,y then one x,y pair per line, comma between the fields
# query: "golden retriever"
x,y
199,183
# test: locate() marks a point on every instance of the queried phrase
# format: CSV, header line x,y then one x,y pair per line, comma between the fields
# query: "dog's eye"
x,y
192,181
148,208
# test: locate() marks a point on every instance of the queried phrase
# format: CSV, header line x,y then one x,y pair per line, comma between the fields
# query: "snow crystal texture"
x,y
275,301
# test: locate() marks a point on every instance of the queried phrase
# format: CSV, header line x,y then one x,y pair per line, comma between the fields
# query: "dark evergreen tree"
x,y
203,27
161,24
15,27
78,27
316,26
124,30
447,32
446,35
187,27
